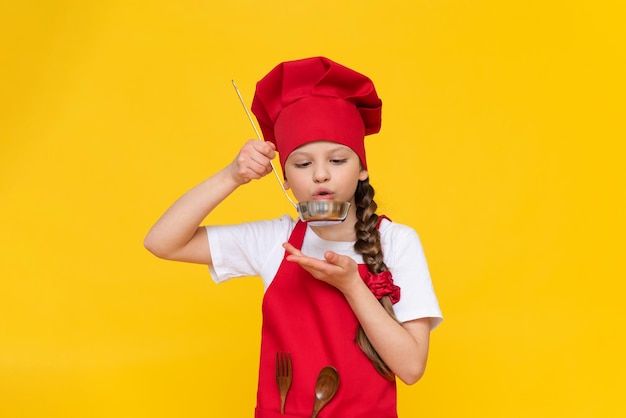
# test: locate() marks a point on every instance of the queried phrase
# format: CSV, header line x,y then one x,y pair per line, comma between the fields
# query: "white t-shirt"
x,y
255,249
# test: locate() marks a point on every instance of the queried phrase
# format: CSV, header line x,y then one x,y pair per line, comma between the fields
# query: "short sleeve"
x,y
244,249
405,258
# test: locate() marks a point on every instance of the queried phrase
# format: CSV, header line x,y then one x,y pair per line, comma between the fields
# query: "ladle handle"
x,y
258,135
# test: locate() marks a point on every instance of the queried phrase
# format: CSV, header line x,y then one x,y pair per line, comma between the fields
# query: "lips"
x,y
323,194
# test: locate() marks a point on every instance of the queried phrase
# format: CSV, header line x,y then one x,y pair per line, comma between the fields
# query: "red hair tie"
x,y
381,284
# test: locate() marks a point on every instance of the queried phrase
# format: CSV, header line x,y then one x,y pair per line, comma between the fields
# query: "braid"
x,y
368,245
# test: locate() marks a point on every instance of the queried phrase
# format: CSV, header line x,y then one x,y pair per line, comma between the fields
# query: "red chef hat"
x,y
316,99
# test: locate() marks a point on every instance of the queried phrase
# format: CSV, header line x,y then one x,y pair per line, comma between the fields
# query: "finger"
x,y
252,162
258,168
251,170
331,257
336,259
318,268
307,262
260,163
314,266
263,160
292,250
267,149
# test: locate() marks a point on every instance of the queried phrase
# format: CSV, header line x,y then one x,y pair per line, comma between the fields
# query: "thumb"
x,y
334,258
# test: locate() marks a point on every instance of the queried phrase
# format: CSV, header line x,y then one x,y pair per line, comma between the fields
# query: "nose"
x,y
321,174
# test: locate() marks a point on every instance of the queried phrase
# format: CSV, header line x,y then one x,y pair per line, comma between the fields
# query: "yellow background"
x,y
502,145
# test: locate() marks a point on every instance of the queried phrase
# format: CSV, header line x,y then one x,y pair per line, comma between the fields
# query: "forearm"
x,y
177,235
403,351
179,224
404,348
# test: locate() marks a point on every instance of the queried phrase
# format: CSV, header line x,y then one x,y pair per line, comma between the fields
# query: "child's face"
x,y
323,170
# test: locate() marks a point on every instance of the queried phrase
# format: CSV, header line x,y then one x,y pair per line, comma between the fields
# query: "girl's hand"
x,y
253,161
337,270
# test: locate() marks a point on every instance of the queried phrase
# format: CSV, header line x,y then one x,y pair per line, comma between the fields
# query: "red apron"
x,y
312,320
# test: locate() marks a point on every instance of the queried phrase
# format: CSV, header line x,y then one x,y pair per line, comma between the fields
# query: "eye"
x,y
338,161
302,164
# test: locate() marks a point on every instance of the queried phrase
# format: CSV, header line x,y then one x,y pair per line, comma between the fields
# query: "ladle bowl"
x,y
318,212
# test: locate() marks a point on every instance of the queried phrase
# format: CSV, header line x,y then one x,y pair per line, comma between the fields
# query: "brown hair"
x,y
368,245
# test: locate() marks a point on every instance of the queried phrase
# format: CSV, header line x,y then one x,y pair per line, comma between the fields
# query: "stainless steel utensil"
x,y
284,376
315,212
325,388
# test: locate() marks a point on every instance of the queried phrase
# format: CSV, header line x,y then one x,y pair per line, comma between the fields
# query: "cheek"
x,y
293,179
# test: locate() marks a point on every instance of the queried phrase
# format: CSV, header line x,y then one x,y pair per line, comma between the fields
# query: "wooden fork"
x,y
284,376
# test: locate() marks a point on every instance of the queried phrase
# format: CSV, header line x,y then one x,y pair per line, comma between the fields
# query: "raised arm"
x,y
177,235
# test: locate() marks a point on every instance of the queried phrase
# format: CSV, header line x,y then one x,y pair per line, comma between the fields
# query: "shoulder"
x,y
399,240
396,231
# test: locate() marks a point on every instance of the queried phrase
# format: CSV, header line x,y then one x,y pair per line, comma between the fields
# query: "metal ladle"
x,y
314,212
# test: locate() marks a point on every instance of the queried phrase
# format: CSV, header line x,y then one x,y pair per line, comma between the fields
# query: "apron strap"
x,y
297,236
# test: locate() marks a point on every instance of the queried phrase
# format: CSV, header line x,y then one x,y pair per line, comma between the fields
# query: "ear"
x,y
285,185
364,175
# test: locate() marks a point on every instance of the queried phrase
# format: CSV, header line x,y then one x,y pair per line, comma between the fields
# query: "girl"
x,y
355,295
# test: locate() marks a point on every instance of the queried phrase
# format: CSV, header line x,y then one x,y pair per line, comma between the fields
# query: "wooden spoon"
x,y
325,388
